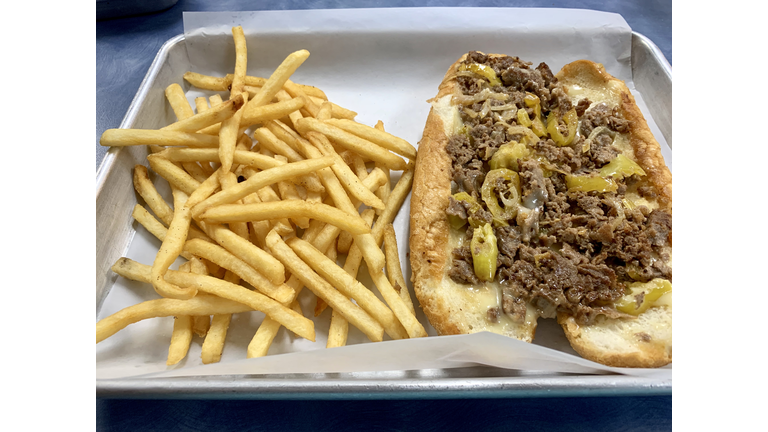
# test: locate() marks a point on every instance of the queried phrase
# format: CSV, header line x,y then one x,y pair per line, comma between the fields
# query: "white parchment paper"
x,y
384,64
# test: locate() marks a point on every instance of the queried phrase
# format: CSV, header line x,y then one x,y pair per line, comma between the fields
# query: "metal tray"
x,y
652,75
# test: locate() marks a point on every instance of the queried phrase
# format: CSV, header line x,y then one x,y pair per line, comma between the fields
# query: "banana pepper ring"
x,y
509,197
643,296
571,122
508,154
457,222
485,252
537,125
486,72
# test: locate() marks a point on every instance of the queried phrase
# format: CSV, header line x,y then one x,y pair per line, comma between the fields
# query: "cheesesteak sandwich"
x,y
541,195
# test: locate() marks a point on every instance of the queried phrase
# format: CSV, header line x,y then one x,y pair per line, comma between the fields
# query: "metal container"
x,y
115,198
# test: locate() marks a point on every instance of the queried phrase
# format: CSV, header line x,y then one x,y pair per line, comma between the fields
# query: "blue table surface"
x,y
125,47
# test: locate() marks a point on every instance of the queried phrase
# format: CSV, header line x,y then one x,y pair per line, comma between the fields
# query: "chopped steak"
x,y
570,249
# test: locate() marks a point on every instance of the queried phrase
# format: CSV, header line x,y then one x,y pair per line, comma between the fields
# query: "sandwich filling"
x,y
548,197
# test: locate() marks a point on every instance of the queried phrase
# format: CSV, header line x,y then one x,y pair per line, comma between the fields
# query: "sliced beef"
x,y
602,115
601,150
582,106
457,208
462,270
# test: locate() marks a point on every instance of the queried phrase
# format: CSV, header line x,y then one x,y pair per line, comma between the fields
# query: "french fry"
x,y
288,192
294,116
173,244
353,313
156,203
348,286
220,288
209,117
132,137
214,338
228,135
217,254
157,229
359,166
228,180
268,329
180,339
343,173
281,224
352,142
259,180
241,62
248,252
181,336
207,82
258,229
373,255
175,175
298,93
336,111
195,170
273,111
213,344
396,199
200,305
326,111
394,272
338,331
227,213
270,142
412,326
381,138
385,189
175,238
216,100
178,101
201,104
276,80
251,159
200,323
259,345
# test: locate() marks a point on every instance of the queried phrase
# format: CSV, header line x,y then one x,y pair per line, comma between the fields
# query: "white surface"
x,y
383,64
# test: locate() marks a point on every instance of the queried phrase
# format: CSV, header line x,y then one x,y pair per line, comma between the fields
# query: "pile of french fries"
x,y
270,189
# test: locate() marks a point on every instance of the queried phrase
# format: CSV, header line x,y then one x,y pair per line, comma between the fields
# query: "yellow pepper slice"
x,y
485,71
651,291
537,125
508,154
587,183
621,166
571,122
484,252
510,199
457,222
523,119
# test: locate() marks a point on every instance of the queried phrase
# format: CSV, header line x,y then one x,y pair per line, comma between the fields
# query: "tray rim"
x,y
278,387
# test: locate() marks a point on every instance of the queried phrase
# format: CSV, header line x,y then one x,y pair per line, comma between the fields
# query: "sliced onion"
x,y
484,94
486,108
525,132
595,132
507,106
